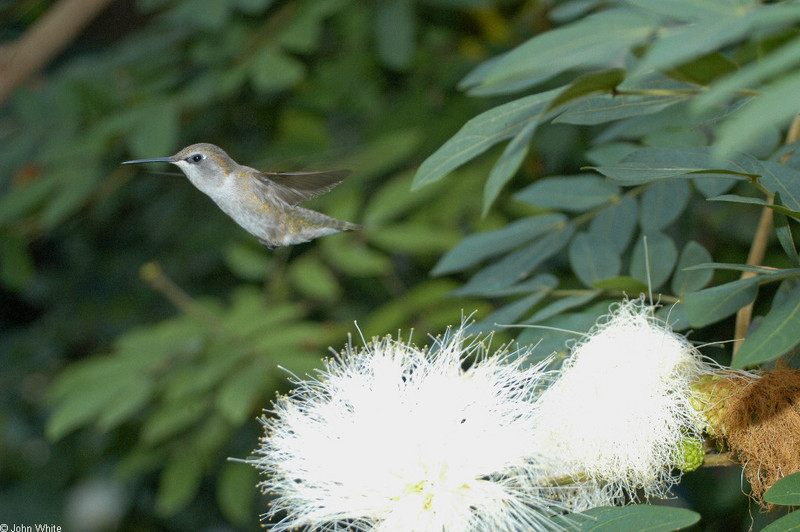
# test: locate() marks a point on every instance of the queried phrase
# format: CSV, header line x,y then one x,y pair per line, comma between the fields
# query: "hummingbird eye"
x,y
196,158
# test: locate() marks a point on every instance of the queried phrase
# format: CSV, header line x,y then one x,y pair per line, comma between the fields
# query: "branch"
x,y
757,250
50,34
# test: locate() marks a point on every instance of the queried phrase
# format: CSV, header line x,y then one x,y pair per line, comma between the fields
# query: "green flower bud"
x,y
692,454
709,398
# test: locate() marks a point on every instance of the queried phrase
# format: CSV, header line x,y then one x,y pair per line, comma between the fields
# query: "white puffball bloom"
x,y
620,408
394,438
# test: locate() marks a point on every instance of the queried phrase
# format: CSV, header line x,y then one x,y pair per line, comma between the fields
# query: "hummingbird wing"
x,y
296,187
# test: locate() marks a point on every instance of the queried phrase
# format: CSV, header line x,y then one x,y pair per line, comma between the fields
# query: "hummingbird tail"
x,y
347,226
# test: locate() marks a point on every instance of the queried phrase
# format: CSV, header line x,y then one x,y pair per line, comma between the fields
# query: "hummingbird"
x,y
266,204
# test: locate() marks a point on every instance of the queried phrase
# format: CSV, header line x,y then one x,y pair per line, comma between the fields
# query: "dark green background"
x,y
142,329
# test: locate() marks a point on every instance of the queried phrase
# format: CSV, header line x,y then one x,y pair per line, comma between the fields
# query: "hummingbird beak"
x,y
154,160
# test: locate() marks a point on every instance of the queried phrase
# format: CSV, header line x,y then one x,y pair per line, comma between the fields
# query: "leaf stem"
x,y
719,459
758,249
153,274
569,292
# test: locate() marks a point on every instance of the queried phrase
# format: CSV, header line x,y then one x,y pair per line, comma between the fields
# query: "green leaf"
x,y
651,164
552,337
179,483
616,223
472,82
288,342
621,283
477,74
773,107
639,96
713,186
761,270
637,517
660,129
16,264
557,307
246,261
593,259
783,179
414,238
705,70
236,492
604,108
313,279
89,390
475,248
769,19
358,261
77,185
199,14
481,133
209,437
785,492
383,207
775,335
675,316
776,62
689,10
603,81
384,153
747,200
507,314
682,44
249,314
88,373
23,200
129,401
576,193
423,299
272,70
784,232
662,203
784,291
394,30
507,165
567,11
662,254
172,418
212,85
597,40
517,265
787,523
685,281
459,4
253,7
713,304
156,130
303,32
139,460
542,281
186,381
238,395
76,411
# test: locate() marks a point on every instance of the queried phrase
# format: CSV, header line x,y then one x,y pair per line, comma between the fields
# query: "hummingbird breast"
x,y
270,219
251,209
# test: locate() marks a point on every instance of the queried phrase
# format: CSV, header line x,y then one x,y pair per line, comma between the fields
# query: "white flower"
x,y
394,438
621,408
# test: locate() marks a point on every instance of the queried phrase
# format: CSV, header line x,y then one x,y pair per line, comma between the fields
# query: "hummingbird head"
x,y
206,165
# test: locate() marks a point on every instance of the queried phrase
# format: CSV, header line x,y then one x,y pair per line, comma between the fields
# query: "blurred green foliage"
x,y
144,331
145,327
673,116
